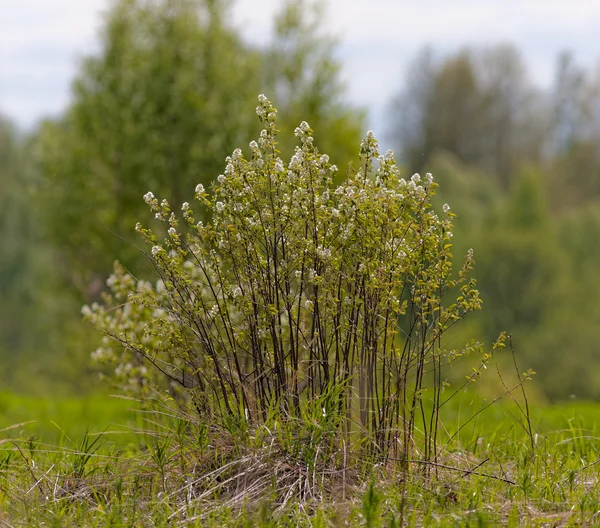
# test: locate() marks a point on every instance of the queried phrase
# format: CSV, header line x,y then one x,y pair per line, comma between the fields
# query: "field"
x,y
149,469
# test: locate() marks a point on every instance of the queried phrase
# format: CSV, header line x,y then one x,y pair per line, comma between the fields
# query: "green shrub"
x,y
299,304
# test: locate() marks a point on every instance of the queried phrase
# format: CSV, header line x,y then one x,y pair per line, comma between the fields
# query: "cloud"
x,y
40,41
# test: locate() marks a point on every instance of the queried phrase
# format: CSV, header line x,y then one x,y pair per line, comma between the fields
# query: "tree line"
x,y
172,92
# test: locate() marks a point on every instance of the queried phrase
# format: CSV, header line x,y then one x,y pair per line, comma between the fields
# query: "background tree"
x,y
477,104
30,313
16,286
304,77
157,109
574,166
161,106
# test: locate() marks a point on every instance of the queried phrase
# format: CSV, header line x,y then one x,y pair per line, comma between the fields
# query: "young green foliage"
x,y
297,293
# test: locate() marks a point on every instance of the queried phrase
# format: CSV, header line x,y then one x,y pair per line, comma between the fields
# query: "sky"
x,y
41,41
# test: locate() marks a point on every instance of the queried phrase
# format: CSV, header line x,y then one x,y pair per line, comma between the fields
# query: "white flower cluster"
x,y
302,130
369,147
265,110
324,252
200,192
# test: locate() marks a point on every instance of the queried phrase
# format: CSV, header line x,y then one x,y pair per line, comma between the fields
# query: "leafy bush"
x,y
315,309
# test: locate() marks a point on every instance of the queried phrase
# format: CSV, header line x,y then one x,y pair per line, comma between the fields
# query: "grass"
x,y
171,472
54,420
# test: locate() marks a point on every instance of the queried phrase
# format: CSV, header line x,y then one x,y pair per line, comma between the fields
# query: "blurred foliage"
x,y
16,258
29,307
477,104
521,170
303,79
171,93
169,96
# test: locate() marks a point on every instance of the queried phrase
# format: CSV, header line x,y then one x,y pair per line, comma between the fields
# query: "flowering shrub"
x,y
296,295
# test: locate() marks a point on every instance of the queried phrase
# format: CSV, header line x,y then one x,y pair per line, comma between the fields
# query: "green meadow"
x,y
58,471
68,418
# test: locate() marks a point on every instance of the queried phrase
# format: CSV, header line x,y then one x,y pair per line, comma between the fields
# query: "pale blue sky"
x,y
40,41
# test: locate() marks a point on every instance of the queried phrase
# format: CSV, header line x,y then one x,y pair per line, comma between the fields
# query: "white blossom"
x,y
172,232
323,252
98,355
219,206
416,178
302,129
446,208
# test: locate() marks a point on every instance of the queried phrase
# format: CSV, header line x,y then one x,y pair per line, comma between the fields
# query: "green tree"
x,y
15,258
159,108
29,310
574,165
477,104
303,76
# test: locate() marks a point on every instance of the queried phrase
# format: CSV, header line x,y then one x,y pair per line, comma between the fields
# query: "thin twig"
x,y
453,468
